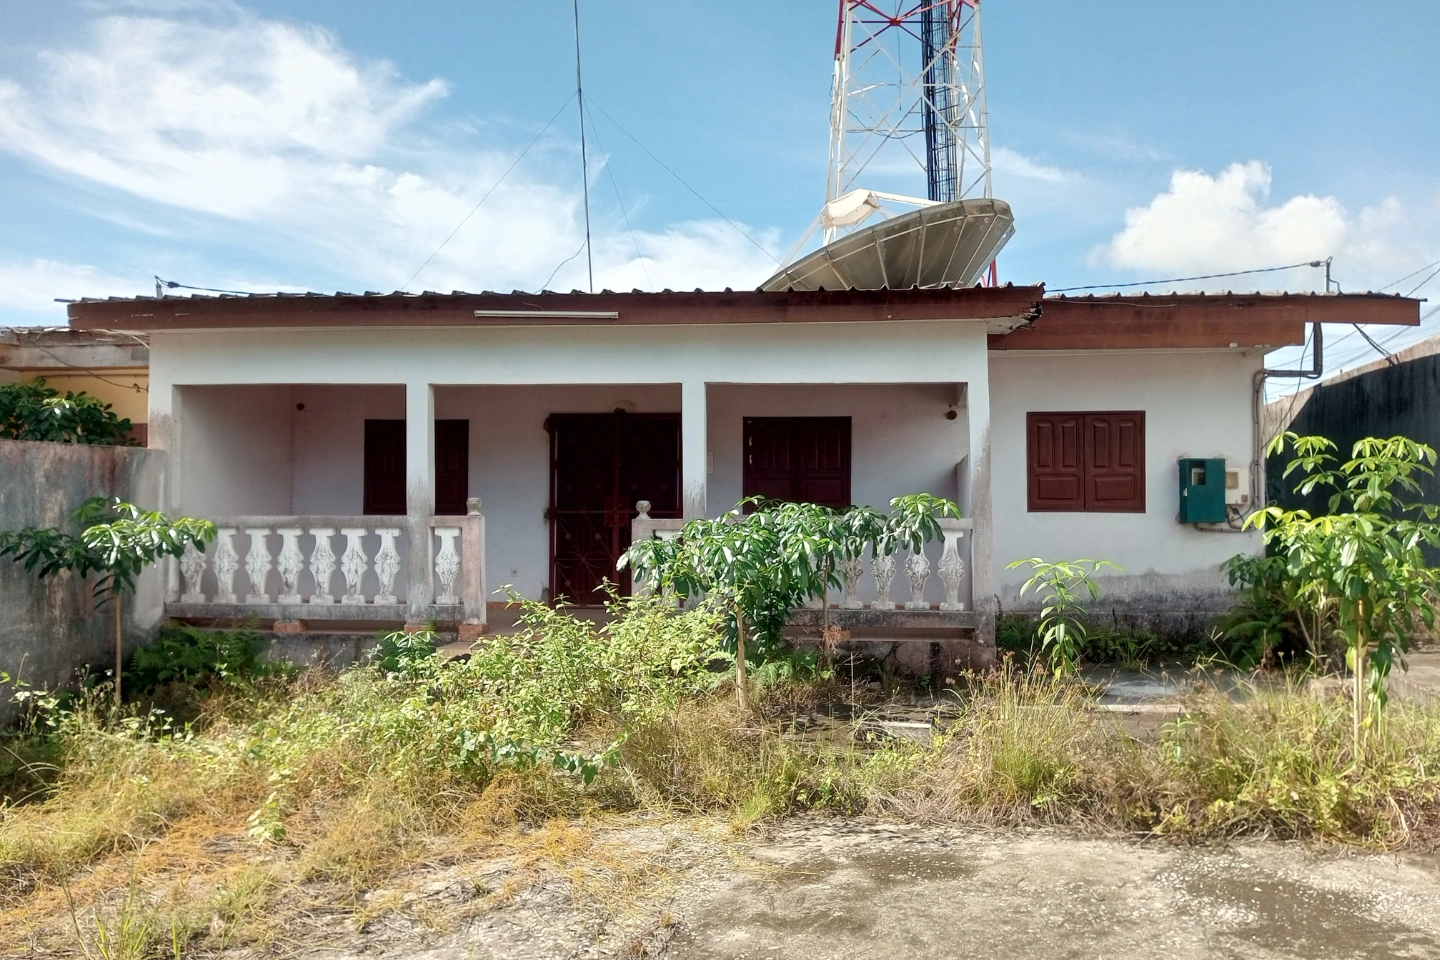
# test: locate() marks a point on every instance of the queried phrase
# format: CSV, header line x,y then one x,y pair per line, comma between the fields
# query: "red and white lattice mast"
x,y
908,106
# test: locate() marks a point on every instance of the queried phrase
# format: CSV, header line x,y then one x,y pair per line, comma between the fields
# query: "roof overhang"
x,y
1019,304
1197,321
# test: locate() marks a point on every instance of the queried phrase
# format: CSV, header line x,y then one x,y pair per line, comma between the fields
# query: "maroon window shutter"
x,y
1115,462
452,467
1056,468
798,459
384,467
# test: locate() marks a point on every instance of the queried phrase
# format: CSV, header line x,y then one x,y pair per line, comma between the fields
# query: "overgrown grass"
x,y
287,789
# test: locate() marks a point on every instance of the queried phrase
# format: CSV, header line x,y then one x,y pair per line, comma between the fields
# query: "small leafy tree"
x,y
33,411
1358,572
1061,587
118,541
762,564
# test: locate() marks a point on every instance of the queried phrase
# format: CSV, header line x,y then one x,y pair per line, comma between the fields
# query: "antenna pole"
x,y
584,164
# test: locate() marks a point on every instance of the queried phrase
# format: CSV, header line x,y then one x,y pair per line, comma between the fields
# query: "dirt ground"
x,y
823,889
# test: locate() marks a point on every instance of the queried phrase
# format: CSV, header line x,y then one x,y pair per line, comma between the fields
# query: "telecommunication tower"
x,y
908,101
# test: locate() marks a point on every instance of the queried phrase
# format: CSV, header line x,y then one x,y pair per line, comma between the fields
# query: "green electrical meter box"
x,y
1202,490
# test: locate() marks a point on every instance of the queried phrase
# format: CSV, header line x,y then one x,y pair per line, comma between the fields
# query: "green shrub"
x,y
199,658
33,411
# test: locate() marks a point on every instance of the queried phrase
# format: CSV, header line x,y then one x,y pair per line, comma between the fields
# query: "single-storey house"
x,y
400,458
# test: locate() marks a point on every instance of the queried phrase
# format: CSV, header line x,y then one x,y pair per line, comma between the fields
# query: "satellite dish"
x,y
942,245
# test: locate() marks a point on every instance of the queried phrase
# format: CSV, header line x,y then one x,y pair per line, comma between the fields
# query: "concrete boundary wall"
x,y
50,630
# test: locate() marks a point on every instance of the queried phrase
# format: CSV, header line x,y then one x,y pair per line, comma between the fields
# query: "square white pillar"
x,y
419,495
694,444
982,558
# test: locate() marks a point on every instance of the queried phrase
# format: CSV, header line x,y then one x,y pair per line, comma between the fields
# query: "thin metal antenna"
x,y
584,164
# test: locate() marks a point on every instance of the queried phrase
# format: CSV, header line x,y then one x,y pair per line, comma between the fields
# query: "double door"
x,y
601,464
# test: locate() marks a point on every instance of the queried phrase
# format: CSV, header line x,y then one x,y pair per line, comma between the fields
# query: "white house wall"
x,y
1197,404
510,462
899,438
236,455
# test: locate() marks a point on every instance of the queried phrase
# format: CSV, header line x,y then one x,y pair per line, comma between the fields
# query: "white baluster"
x,y
192,565
850,571
257,564
447,564
952,570
882,567
291,563
322,564
387,564
227,561
353,564
917,569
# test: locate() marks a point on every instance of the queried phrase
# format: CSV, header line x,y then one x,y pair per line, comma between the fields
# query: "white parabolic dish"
x,y
944,245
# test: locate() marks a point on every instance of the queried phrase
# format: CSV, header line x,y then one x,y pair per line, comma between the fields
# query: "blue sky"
x,y
320,144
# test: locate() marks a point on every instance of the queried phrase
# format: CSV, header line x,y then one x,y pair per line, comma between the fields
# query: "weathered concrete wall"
x,y
50,629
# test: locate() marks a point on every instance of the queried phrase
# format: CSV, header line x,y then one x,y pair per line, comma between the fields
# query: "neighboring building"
x,y
343,431
1395,396
109,365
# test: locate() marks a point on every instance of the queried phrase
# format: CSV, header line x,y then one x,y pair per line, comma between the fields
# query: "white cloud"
x,y
30,287
1213,224
298,145
1007,162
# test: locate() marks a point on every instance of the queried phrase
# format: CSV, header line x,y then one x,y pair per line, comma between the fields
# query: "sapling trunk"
x,y
119,650
742,689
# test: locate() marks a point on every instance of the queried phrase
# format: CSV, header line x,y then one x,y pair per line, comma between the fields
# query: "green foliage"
x,y
1061,629
1264,627
203,659
1358,573
118,541
33,411
763,564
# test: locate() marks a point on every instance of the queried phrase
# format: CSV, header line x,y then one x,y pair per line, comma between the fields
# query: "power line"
x,y
1422,283
172,285
492,189
610,171
584,164
1208,276
546,285
1394,283
687,186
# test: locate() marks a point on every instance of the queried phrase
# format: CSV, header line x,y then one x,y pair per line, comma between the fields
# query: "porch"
x,y
539,487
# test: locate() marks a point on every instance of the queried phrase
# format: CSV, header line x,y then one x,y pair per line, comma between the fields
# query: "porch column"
x,y
982,559
419,496
694,446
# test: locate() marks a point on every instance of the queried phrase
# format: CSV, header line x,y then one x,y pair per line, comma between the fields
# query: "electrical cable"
x,y
1208,276
546,285
493,187
1394,283
687,186
172,285
610,171
1422,283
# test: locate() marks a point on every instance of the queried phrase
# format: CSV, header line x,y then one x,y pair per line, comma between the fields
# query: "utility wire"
x,y
1396,283
172,285
492,189
610,171
687,186
584,165
546,285
1208,276
1422,283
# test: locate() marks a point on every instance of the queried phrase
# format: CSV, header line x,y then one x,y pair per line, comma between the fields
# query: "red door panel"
x,y
602,464
798,459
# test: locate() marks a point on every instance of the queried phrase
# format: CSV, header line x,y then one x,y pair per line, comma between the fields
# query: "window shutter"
x,y
1115,462
1056,474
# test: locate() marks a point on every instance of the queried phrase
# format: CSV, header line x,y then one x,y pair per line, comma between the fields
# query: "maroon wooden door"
x,y
384,485
601,464
798,459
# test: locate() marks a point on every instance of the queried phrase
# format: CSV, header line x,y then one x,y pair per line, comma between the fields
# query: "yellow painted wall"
x,y
125,390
